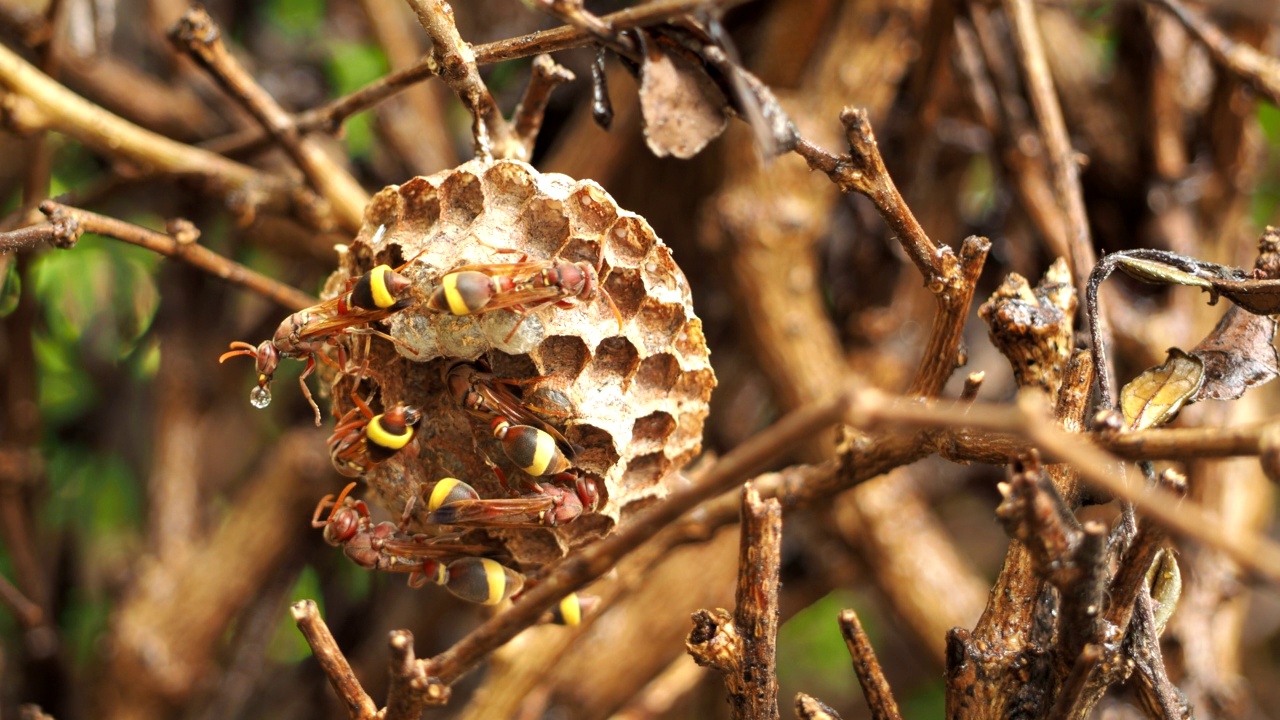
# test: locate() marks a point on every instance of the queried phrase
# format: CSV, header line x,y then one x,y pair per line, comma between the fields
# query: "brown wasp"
x,y
362,440
524,287
370,298
389,547
454,502
530,442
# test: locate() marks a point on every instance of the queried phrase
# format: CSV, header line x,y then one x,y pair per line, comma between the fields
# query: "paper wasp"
x,y
372,297
530,442
389,547
362,440
524,287
453,502
486,396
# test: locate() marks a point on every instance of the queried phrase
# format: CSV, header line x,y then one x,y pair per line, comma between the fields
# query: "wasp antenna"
x,y
316,522
238,348
341,496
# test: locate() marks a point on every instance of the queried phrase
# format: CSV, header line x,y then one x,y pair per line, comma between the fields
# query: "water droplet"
x,y
260,397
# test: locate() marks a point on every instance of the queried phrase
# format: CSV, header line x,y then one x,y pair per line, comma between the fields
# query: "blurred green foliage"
x,y
1266,196
295,17
287,645
95,500
812,657
10,289
350,67
98,301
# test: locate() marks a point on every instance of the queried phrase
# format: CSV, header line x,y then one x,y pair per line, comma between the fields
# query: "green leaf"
x,y
287,645
811,653
94,494
10,289
296,17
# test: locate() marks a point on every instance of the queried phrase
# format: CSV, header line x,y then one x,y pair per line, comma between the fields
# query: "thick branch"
x,y
744,649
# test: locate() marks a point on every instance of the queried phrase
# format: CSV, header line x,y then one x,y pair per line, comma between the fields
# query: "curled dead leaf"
x,y
683,109
1154,397
1237,355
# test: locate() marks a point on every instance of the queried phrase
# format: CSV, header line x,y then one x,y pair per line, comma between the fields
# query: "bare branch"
x,y
744,648
307,616
875,688
181,245
31,100
201,38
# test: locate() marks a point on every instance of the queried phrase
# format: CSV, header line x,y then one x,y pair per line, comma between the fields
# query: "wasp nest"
x,y
629,388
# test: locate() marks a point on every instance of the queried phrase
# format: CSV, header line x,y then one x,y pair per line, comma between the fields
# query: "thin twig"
x,y
198,35
331,116
875,688
546,77
1029,419
29,614
29,237
863,171
594,561
184,249
941,354
32,101
336,668
1260,70
1053,130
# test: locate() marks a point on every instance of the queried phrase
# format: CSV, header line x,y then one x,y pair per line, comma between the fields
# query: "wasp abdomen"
x,y
483,581
533,450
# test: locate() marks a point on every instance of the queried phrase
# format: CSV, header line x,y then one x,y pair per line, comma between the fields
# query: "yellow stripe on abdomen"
x,y
457,304
378,435
378,287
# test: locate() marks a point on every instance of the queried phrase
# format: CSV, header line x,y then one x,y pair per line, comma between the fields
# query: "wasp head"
x,y
267,359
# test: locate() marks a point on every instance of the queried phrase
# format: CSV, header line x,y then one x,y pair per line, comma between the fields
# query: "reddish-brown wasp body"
x,y
370,298
523,287
362,440
388,547
454,502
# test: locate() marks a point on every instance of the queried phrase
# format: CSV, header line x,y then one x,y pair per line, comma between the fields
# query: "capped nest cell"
x,y
633,398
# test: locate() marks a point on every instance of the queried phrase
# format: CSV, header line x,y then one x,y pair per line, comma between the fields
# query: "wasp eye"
x,y
260,397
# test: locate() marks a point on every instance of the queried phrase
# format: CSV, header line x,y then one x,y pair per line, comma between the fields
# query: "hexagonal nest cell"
x,y
629,397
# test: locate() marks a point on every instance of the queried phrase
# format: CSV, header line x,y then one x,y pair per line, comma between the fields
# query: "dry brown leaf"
x,y
1237,355
1159,273
682,107
1261,297
1257,295
1155,396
